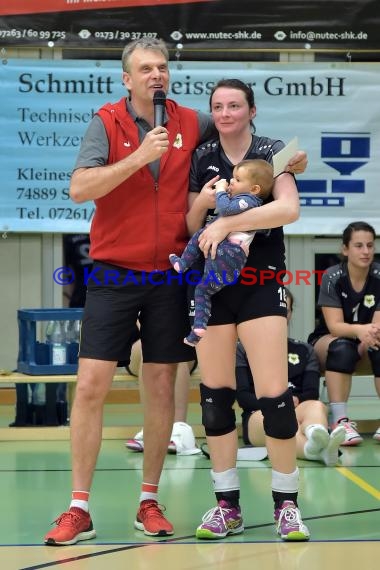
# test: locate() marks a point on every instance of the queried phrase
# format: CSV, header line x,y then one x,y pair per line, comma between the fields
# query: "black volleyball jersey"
x,y
336,291
209,159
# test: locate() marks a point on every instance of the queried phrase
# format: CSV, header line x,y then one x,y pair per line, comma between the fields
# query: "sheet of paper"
x,y
252,453
281,159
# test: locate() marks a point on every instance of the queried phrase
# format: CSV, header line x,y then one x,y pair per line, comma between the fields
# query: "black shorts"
x,y
242,302
117,297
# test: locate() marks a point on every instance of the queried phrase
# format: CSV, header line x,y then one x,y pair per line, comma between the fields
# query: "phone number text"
x,y
56,213
121,35
33,34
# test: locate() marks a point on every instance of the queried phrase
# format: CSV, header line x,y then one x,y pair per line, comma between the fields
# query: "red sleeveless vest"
x,y
140,222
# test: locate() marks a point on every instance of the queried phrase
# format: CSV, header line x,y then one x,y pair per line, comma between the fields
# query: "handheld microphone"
x,y
159,99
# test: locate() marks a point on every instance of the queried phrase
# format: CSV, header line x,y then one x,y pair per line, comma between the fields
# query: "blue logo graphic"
x,y
345,153
63,276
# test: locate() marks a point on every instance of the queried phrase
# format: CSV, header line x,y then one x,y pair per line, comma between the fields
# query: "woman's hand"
x,y
207,194
211,237
369,336
199,204
298,163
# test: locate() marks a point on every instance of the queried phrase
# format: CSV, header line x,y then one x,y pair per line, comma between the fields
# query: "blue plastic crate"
x,y
34,355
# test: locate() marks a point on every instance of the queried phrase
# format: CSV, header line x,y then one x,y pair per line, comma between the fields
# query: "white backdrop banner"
x,y
333,109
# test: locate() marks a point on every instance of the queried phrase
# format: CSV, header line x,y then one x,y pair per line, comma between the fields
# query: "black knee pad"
x,y
218,415
280,419
342,356
374,356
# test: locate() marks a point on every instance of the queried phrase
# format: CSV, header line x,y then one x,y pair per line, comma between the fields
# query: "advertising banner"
x,y
333,109
227,29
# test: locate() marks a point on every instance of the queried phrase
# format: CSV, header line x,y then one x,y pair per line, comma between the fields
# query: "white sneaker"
x,y
352,436
182,441
330,455
136,443
317,440
376,435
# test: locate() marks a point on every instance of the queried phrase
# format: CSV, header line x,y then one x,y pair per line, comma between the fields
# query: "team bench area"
x,y
123,398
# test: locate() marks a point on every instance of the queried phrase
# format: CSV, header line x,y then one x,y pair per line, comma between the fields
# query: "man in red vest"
x,y
138,177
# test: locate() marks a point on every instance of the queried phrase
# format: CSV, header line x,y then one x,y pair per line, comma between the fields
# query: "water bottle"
x,y
57,340
69,331
72,330
77,327
49,331
39,394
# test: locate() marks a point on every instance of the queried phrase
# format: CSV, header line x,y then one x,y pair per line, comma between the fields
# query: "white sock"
x,y
225,480
148,497
79,499
338,411
330,455
317,438
285,482
149,492
79,504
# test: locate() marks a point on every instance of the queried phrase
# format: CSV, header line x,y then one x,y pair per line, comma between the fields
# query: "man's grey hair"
x,y
143,43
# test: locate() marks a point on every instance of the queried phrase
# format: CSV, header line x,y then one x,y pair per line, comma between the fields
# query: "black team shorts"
x,y
118,297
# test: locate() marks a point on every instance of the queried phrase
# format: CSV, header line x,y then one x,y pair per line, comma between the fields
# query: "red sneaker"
x,y
72,526
151,520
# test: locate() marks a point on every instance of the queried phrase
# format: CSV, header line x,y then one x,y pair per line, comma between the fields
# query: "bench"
x,y
363,403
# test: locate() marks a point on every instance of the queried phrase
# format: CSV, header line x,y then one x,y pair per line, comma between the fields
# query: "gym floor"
x,y
340,505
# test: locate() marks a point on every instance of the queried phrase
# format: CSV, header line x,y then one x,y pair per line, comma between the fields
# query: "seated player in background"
x,y
313,439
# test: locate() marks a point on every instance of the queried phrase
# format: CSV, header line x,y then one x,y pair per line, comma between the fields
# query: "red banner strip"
x,y
40,6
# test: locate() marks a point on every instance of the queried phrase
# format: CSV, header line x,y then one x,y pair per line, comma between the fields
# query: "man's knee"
x,y
218,415
280,419
94,379
342,356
